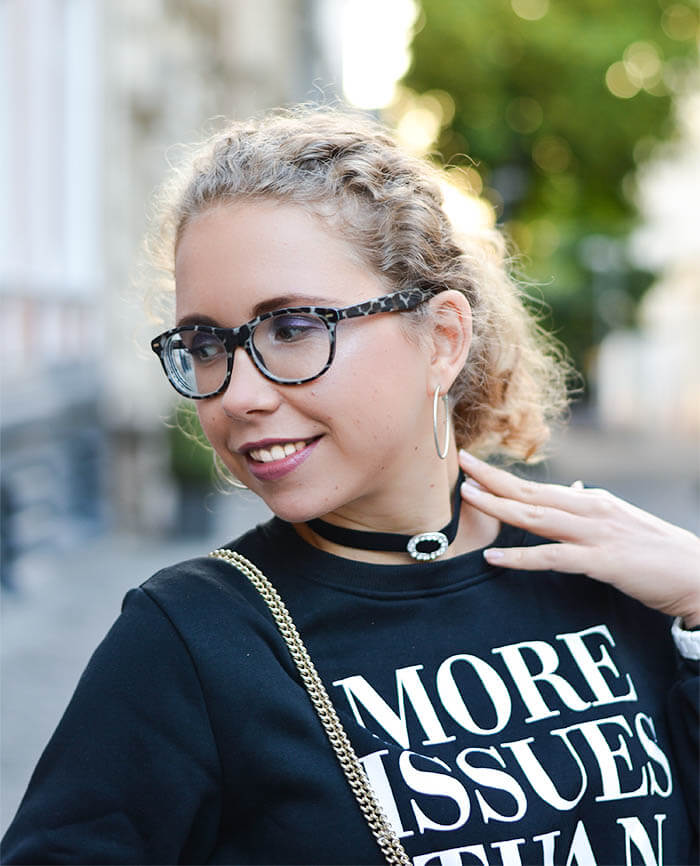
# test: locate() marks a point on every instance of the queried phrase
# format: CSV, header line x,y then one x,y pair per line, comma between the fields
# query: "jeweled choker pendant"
x,y
422,546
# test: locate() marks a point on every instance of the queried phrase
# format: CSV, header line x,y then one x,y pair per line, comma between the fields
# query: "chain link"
x,y
383,832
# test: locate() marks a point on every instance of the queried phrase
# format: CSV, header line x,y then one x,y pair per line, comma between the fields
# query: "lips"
x,y
273,459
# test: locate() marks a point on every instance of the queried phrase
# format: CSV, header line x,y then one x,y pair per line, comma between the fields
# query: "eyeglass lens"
x,y
290,347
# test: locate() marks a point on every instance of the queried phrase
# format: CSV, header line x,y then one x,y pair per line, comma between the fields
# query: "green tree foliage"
x,y
191,456
556,101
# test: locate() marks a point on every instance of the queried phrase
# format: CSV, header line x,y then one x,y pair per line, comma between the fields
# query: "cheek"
x,y
207,421
378,404
379,354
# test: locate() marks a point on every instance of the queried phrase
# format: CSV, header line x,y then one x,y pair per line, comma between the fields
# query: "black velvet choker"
x,y
424,545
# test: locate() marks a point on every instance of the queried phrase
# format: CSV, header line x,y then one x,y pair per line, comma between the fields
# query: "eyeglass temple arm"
x,y
396,302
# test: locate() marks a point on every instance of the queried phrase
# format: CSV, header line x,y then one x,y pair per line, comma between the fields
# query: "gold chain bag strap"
x,y
383,832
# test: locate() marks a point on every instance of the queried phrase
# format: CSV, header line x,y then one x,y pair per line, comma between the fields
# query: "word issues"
x,y
508,751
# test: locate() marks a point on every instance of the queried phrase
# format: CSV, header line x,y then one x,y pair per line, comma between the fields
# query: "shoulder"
x,y
183,627
204,579
208,604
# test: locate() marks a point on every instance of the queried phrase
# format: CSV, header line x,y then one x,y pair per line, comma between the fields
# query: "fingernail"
x,y
492,555
466,457
471,486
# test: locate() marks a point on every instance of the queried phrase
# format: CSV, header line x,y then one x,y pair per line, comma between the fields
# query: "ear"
x,y
450,338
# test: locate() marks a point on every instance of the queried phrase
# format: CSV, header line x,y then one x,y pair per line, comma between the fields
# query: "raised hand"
x,y
594,533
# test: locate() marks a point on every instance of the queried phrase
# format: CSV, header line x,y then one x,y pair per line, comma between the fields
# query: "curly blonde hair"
x,y
348,169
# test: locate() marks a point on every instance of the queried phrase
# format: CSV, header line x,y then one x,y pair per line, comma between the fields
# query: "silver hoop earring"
x,y
441,452
234,482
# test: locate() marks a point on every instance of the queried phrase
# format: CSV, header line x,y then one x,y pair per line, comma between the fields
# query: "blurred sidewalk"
x,y
656,473
67,600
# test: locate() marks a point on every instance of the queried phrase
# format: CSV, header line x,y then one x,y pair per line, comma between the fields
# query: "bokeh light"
x,y
375,47
418,118
641,68
546,237
680,22
618,81
552,154
417,129
643,64
524,114
468,213
530,10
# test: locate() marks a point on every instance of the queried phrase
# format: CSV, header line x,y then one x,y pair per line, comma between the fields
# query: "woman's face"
x,y
338,443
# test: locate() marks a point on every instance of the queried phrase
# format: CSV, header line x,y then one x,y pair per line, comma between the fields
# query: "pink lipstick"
x,y
272,470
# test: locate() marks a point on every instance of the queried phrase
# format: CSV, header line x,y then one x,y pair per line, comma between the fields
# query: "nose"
x,y
248,391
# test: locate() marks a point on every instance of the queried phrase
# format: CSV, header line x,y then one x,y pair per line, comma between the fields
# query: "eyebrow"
x,y
196,319
279,302
296,300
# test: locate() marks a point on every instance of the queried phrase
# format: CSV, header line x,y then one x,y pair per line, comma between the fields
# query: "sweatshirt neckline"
x,y
350,575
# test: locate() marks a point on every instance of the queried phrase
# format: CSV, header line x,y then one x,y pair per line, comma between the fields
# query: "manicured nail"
x,y
466,457
493,555
471,487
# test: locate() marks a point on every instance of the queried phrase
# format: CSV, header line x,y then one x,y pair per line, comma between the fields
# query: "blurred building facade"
x,y
51,275
649,379
92,94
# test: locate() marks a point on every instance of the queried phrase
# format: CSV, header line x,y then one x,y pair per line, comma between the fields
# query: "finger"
x,y
568,558
543,520
506,484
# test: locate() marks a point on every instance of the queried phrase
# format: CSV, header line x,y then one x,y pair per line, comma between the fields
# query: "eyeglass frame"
x,y
242,336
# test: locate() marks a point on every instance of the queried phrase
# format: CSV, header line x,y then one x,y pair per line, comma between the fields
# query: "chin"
x,y
297,509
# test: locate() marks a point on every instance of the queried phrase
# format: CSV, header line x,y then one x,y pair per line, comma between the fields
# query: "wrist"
x,y
690,621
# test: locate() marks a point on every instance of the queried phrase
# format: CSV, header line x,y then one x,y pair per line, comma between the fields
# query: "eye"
x,y
204,347
294,327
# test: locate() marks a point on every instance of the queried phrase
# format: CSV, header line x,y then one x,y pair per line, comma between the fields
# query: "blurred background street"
x,y
573,127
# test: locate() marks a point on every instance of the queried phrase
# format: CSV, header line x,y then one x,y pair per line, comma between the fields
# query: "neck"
x,y
416,502
407,502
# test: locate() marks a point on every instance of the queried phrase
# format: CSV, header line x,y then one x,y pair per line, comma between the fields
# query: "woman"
x,y
341,344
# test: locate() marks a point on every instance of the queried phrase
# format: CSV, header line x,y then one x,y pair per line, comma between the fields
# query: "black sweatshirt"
x,y
502,717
